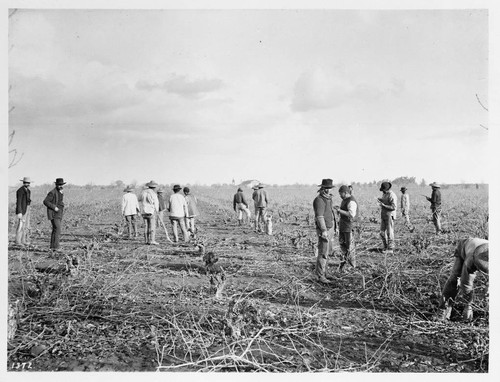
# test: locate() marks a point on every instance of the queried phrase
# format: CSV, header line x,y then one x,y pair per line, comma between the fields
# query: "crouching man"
x,y
471,255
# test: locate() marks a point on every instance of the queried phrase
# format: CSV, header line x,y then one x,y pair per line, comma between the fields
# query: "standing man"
x,y
388,203
405,208
254,194
240,206
55,208
348,211
326,225
23,201
177,206
435,200
192,210
150,205
261,201
130,209
161,208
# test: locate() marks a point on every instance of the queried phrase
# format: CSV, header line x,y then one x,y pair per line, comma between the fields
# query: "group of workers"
x,y
182,208
261,201
471,254
327,224
150,205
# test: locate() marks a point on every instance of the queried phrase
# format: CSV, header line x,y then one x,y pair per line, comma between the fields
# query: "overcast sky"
x,y
283,96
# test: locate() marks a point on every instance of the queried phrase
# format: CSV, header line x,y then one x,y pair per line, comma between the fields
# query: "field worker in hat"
x,y
348,211
261,201
55,208
161,207
471,255
192,210
23,201
388,203
178,208
149,208
130,209
326,225
405,208
435,200
254,194
240,206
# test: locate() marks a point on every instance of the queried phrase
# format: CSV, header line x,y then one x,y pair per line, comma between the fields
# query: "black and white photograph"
x,y
242,187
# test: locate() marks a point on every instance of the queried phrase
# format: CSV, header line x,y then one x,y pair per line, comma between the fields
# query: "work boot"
x,y
323,280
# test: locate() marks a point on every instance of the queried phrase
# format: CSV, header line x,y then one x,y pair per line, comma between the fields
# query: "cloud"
x,y
317,89
38,100
183,86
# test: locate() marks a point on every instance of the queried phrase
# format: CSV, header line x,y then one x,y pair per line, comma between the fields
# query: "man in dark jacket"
x,y
23,201
435,200
348,212
240,206
326,225
55,208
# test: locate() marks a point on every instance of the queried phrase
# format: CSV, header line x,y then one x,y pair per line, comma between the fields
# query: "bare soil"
x,y
126,306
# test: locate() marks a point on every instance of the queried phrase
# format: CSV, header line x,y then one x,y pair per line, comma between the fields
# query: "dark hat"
x,y
326,183
128,188
385,186
344,188
186,190
60,182
403,188
152,184
239,189
26,179
177,188
435,185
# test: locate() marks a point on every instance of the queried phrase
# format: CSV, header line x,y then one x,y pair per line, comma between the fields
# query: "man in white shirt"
x,y
178,208
405,208
388,203
150,207
130,209
348,211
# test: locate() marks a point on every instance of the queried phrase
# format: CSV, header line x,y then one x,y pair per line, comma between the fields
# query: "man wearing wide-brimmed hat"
x,y
326,225
388,203
240,206
405,208
23,201
261,201
130,209
149,209
55,209
178,208
435,200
